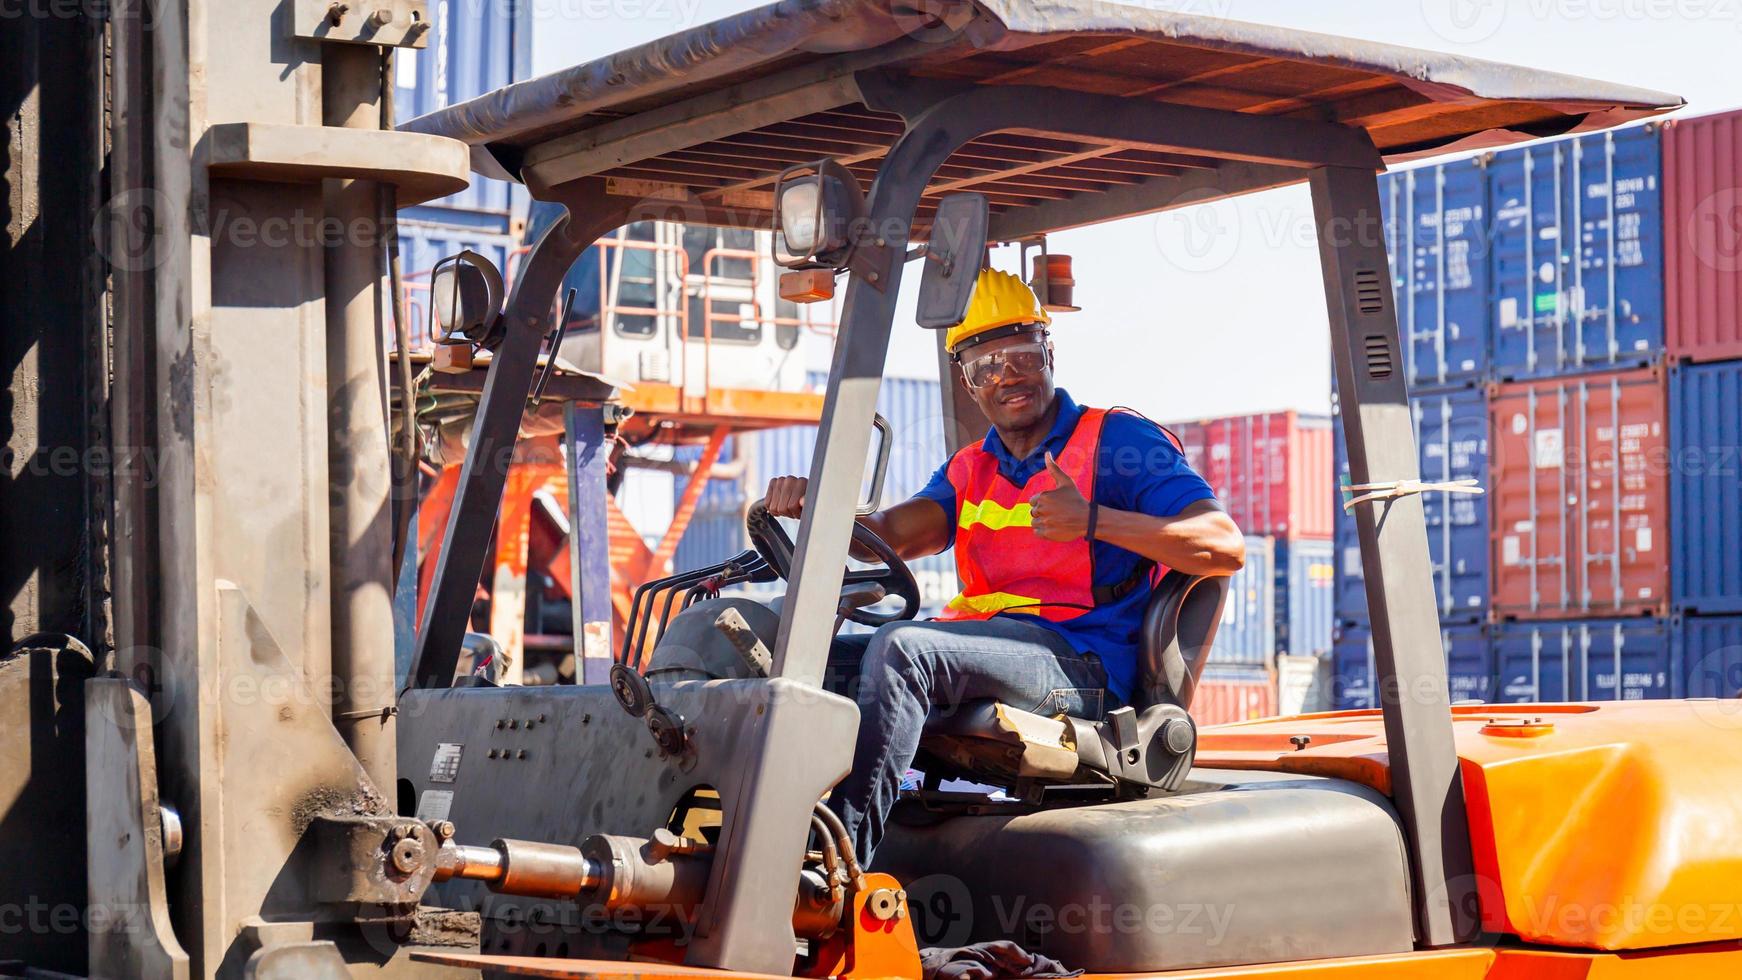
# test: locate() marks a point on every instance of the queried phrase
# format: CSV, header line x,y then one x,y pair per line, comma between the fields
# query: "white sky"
x,y
1219,310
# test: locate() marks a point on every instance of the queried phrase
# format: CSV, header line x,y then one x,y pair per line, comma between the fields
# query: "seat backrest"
x,y
1179,624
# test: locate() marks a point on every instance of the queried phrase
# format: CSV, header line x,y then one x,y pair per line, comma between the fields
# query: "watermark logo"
x,y
1464,21
1199,237
1714,230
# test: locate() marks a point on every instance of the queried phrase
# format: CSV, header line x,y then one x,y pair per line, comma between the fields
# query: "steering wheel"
x,y
772,543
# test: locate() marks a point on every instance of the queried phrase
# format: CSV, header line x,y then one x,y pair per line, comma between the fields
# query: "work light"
x,y
817,207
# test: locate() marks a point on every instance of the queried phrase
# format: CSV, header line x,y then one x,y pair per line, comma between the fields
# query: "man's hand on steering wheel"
x,y
785,498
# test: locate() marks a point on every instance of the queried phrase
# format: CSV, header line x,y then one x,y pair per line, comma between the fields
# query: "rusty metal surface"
x,y
787,55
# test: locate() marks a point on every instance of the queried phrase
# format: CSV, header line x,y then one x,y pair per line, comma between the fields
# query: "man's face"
x,y
1022,391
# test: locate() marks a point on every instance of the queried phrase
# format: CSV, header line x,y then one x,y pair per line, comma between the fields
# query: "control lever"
x,y
857,595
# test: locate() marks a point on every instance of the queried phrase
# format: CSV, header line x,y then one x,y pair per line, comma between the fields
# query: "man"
x,y
1062,520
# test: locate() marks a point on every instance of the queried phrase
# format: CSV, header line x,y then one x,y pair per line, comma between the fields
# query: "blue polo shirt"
x,y
1140,470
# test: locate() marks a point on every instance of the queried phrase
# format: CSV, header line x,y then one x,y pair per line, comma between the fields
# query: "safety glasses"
x,y
992,367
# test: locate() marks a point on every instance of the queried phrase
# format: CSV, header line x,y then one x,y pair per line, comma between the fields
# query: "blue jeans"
x,y
906,670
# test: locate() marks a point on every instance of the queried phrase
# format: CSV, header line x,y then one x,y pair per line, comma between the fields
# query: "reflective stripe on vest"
x,y
1003,564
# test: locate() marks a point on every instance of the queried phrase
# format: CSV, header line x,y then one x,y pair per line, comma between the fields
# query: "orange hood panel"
x,y
1608,826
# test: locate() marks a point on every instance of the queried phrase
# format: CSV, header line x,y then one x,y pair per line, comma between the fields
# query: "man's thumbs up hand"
x,y
1062,513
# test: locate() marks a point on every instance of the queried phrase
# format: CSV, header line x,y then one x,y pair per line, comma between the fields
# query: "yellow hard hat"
x,y
999,300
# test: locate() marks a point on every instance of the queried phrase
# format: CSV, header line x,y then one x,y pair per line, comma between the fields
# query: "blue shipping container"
x,y
1578,660
1577,254
1451,436
1436,230
1469,665
1705,487
1351,587
1711,656
1247,635
723,493
713,535
1306,579
473,48
914,409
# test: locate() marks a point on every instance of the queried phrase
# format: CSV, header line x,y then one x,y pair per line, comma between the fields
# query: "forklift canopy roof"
x,y
711,115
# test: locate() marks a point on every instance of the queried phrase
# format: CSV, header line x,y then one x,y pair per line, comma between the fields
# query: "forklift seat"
x,y
1148,743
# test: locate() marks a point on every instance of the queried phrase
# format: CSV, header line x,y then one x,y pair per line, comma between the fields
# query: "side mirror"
x,y
465,298
953,257
871,496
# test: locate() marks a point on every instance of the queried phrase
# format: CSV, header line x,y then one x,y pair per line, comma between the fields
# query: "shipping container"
x,y
1451,437
1230,694
1272,471
1705,486
1303,684
1578,660
1711,657
1436,230
913,408
472,48
1306,583
1469,665
915,413
1577,254
714,534
1351,587
726,487
1579,497
1247,634
1702,196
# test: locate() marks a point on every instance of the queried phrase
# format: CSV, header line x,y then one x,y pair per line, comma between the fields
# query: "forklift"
x,y
668,822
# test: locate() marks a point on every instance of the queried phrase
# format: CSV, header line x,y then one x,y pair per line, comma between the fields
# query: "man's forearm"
x,y
1206,543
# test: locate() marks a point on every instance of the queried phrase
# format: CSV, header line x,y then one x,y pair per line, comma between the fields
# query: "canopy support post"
x,y
466,540
1425,782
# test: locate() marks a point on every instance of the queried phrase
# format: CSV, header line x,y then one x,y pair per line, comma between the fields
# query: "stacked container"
x,y
1273,473
1576,257
1579,494
1702,185
1612,334
1438,226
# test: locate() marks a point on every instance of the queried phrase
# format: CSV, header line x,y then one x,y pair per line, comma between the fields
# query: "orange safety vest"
x,y
1002,563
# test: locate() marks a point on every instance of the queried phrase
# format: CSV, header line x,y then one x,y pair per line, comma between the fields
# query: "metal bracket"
x,y
1402,488
371,860
420,167
125,850
388,23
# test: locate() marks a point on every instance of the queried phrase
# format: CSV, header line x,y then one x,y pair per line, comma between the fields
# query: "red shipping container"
x,y
1702,237
1580,496
1227,696
1272,471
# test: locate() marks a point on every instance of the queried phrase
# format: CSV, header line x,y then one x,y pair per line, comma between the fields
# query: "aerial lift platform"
x,y
667,824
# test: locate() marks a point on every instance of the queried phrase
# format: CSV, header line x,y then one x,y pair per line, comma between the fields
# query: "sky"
x,y
1219,309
